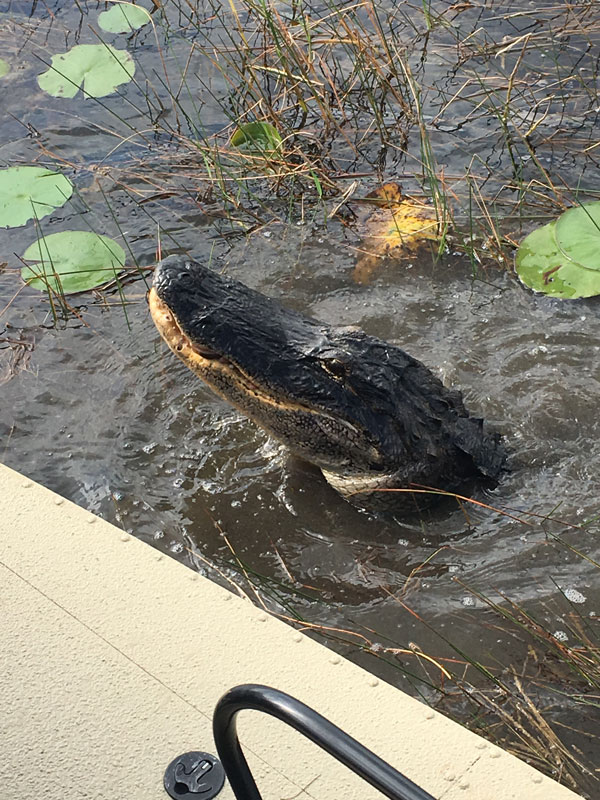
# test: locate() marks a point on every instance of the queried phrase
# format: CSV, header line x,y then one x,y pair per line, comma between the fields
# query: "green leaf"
x,y
72,261
578,235
97,68
4,68
123,18
543,267
258,138
31,192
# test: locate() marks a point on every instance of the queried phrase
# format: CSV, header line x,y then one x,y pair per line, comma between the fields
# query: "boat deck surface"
x,y
113,656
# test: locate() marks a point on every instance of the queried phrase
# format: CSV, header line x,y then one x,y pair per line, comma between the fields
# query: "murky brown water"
x,y
99,411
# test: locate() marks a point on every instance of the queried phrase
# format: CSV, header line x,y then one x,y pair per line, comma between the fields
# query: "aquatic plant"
x,y
258,138
96,69
123,18
31,193
71,261
562,258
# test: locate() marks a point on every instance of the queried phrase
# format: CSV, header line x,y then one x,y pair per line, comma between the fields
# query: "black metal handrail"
x,y
312,725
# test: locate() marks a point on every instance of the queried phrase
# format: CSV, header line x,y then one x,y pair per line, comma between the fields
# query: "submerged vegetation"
x,y
459,128
318,105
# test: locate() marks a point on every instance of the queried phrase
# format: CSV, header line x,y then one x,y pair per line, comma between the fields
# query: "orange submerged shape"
x,y
399,225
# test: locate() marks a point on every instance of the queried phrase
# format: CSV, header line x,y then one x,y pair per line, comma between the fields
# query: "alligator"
x,y
369,415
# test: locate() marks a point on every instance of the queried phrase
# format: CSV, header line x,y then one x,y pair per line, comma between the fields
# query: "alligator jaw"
x,y
170,330
206,363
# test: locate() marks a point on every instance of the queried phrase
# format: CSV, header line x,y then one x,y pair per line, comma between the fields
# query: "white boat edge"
x,y
113,657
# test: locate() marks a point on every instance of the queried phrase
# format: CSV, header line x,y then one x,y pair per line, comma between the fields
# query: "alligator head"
x,y
370,416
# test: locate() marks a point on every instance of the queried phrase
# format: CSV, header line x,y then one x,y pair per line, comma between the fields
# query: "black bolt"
x,y
195,775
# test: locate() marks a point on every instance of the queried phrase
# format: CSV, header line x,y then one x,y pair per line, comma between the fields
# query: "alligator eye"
x,y
335,368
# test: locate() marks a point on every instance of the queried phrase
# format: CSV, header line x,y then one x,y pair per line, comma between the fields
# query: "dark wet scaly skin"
x,y
364,411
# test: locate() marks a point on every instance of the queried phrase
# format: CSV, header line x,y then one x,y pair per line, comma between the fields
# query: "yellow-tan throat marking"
x,y
207,366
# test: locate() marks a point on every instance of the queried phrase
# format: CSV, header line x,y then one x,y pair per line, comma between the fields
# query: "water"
x,y
98,410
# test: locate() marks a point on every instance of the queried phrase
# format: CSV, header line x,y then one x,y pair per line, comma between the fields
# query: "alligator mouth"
x,y
206,362
171,331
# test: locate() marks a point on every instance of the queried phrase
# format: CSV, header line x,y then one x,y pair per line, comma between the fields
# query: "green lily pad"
x,y
123,18
96,68
4,68
542,266
258,138
72,261
31,192
578,235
